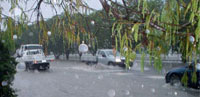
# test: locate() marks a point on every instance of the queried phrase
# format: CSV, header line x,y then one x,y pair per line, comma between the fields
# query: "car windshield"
x,y
35,52
110,53
32,47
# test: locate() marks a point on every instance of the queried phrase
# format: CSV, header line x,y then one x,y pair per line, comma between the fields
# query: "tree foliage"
x,y
141,22
7,71
174,21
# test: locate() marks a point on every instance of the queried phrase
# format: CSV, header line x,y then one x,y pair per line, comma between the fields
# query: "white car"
x,y
106,56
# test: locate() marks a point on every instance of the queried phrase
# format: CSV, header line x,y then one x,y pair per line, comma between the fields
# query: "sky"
x,y
94,4
46,10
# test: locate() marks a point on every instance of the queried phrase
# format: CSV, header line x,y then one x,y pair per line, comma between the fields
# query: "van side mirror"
x,y
103,55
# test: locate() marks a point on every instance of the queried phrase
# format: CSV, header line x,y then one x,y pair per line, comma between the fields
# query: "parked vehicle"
x,y
106,56
35,59
23,48
88,58
174,76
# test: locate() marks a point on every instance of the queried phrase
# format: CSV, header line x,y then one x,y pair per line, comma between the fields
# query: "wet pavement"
x,y
76,79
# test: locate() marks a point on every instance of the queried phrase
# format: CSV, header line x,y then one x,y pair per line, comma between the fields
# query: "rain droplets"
x,y
92,22
15,37
76,76
30,34
55,1
127,92
142,86
93,82
111,93
65,73
147,31
3,41
153,90
192,39
49,33
175,93
4,83
17,11
100,77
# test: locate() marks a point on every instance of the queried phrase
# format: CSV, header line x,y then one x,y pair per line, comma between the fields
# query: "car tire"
x,y
27,66
175,80
45,68
111,64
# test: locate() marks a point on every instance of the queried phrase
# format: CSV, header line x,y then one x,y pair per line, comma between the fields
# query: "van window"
x,y
102,53
33,52
32,47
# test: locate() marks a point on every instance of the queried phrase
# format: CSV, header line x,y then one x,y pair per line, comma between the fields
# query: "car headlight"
x,y
118,60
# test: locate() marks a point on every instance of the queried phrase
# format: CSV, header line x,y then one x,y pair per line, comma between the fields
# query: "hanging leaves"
x,y
135,29
170,26
144,8
142,61
184,79
194,77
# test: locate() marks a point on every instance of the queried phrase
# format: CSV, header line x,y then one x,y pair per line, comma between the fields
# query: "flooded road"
x,y
76,79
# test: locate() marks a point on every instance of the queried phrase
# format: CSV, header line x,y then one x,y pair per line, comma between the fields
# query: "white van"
x,y
35,59
23,48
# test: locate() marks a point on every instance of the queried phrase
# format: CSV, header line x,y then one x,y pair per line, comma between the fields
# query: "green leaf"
x,y
139,1
194,77
142,61
184,79
135,29
113,28
148,19
144,7
197,31
187,45
116,43
192,17
132,56
188,7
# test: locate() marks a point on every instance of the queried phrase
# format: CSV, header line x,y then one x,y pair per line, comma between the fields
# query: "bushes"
x,y
7,72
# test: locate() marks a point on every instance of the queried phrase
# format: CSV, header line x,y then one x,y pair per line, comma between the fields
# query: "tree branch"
x,y
38,9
